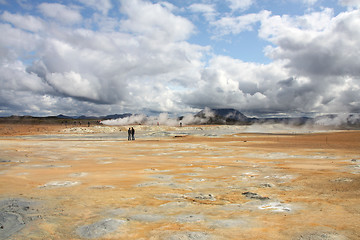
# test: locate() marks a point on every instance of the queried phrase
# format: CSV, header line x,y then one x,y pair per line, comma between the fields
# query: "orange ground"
x,y
177,187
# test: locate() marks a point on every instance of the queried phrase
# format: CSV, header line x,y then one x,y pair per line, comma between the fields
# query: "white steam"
x,y
162,119
133,119
338,120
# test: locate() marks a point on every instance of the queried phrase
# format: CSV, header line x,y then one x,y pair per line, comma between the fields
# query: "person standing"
x,y
133,133
129,134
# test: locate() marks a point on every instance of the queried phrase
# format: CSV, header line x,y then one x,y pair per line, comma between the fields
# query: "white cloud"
x,y
236,25
14,77
154,21
145,61
26,4
316,44
240,4
101,5
228,82
310,2
272,88
16,44
314,54
60,12
75,85
208,10
132,69
202,8
104,23
168,6
303,28
28,22
350,3
109,67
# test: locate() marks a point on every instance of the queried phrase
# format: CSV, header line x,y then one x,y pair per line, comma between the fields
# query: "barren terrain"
x,y
195,182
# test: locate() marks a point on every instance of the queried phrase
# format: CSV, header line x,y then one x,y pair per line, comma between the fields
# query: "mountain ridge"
x,y
226,116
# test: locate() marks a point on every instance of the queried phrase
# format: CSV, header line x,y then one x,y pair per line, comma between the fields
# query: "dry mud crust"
x,y
15,214
100,228
320,235
193,187
185,235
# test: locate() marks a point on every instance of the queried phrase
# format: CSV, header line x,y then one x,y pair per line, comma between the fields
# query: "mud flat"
x,y
198,182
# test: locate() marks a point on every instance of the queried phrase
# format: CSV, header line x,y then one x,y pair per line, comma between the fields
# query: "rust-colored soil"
x,y
238,186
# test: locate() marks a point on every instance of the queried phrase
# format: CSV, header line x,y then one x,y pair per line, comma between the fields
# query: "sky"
x,y
100,57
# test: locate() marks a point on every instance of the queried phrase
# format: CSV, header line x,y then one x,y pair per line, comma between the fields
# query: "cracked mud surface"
x,y
63,185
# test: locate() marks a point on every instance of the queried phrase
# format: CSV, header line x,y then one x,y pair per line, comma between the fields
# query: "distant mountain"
x,y
83,117
63,117
223,116
60,119
230,114
116,116
207,116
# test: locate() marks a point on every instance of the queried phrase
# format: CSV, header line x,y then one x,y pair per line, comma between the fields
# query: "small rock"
x,y
266,185
254,196
342,180
201,196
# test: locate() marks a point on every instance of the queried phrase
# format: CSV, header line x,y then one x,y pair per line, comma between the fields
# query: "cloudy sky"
x,y
99,57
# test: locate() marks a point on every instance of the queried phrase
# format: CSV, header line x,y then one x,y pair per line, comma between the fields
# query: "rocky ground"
x,y
195,182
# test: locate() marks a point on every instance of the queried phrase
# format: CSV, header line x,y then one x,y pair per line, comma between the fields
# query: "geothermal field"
x,y
190,182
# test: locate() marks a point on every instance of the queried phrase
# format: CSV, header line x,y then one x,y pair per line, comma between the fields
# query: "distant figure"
x,y
88,124
129,134
133,133
180,124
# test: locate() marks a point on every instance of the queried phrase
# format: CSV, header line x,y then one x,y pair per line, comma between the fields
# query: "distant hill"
x,y
83,117
116,116
220,116
59,119
223,116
